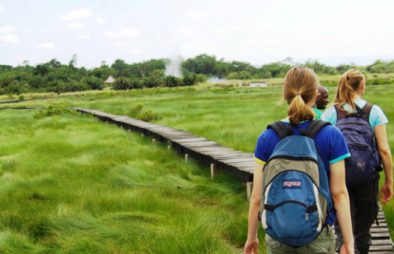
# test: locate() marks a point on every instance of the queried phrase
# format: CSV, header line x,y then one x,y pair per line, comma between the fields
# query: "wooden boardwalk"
x,y
219,158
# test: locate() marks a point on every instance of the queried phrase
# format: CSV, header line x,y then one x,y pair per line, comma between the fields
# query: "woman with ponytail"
x,y
363,197
300,92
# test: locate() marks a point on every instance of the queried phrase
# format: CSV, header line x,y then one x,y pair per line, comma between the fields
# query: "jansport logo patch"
x,y
291,184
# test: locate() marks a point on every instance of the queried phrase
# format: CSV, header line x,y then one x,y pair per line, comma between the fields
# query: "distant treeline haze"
x,y
54,76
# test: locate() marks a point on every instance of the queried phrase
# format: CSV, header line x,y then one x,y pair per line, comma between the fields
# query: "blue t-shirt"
x,y
329,141
376,117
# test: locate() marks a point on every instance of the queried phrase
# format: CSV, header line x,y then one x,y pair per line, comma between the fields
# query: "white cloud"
x,y
100,20
110,34
121,44
135,51
47,45
124,33
76,14
2,9
84,37
9,39
195,15
130,33
226,29
6,29
76,25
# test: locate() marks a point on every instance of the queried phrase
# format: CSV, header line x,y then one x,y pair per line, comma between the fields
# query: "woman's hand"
x,y
386,193
347,249
251,246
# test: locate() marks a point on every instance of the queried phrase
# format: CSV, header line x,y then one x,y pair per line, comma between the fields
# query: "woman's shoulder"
x,y
267,134
376,109
330,134
377,116
330,115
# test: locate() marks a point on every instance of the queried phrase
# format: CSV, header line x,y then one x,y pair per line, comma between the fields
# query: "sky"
x,y
256,31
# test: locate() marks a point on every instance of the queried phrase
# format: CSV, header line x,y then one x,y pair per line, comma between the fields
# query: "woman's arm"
x,y
341,203
385,154
252,243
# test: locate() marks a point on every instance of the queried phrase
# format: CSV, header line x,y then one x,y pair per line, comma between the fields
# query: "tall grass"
x,y
232,116
70,184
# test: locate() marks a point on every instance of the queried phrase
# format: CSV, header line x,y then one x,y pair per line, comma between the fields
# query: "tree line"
x,y
54,76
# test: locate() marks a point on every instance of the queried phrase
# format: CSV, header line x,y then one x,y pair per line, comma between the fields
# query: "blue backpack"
x,y
296,198
364,162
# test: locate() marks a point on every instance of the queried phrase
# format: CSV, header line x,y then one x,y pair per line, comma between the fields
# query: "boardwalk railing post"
x,y
186,157
213,170
169,144
249,186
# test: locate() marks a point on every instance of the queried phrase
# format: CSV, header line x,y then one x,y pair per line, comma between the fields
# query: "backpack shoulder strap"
x,y
365,111
281,129
340,113
314,127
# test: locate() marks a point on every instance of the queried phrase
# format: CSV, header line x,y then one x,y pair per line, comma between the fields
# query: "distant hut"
x,y
109,80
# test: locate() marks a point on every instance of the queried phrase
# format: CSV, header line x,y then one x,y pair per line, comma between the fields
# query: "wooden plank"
x,y
187,140
379,230
381,248
234,155
201,144
237,159
380,235
221,148
174,134
210,151
381,225
242,164
382,242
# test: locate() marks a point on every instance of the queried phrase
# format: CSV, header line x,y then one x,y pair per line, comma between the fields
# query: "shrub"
x,y
134,112
201,78
136,83
138,113
121,84
50,111
148,116
172,81
93,83
189,80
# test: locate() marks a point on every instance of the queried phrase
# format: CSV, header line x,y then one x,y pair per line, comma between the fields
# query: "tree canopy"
x,y
54,76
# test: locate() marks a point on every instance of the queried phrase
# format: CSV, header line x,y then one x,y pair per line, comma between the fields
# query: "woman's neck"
x,y
356,96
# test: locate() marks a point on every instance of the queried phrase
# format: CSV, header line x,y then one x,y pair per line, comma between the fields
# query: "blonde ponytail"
x,y
300,87
347,87
298,111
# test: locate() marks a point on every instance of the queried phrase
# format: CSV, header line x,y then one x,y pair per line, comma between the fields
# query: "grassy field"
x,y
70,184
233,116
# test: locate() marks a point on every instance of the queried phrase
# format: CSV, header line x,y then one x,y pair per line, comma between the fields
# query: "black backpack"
x,y
364,162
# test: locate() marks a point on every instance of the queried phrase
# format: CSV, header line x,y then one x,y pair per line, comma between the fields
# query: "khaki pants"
x,y
324,243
